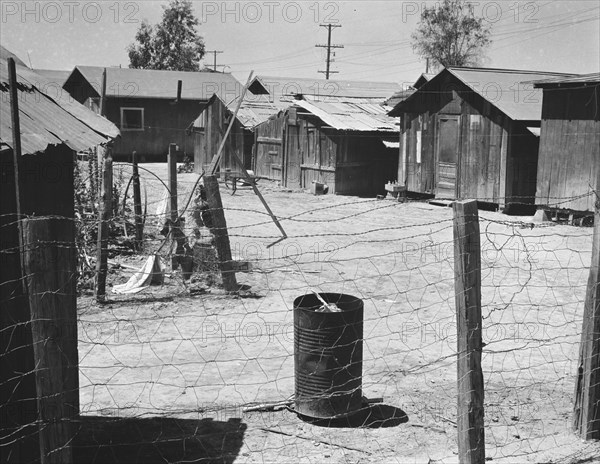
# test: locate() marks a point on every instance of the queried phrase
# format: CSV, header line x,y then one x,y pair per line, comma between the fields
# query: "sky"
x,y
278,38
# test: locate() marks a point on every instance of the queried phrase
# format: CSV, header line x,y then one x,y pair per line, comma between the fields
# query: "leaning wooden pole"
x,y
467,286
219,230
50,266
586,412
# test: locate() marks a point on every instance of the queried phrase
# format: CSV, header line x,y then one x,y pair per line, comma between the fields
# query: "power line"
x,y
329,47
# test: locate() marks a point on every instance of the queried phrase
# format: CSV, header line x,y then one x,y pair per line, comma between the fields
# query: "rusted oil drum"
x,y
328,356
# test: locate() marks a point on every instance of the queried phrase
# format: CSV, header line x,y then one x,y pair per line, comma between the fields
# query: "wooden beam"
x,y
219,230
50,266
586,410
271,140
252,182
467,286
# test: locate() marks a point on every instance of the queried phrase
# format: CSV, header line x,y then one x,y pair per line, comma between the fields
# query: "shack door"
x,y
447,156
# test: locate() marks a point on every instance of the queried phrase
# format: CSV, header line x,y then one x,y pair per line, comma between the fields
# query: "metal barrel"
x,y
328,356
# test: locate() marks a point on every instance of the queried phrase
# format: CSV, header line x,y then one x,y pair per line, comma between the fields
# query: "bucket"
x,y
328,356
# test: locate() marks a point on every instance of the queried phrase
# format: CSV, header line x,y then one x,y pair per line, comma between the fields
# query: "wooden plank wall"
x,y
206,145
568,164
268,158
320,152
164,124
46,190
484,162
569,149
480,158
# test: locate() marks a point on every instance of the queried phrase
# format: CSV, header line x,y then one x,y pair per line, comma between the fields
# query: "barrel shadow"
x,y
370,416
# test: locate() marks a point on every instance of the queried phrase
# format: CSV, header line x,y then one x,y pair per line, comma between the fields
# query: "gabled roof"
x,y
277,87
423,78
508,90
43,121
350,114
580,79
149,83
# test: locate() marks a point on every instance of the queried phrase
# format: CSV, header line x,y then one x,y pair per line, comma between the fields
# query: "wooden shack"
x,y
472,133
569,155
210,126
45,188
348,144
336,133
144,105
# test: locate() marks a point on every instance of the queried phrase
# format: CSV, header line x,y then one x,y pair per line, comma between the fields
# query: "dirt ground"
x,y
178,363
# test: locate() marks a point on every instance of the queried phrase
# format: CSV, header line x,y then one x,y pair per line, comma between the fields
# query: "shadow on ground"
x,y
372,416
157,440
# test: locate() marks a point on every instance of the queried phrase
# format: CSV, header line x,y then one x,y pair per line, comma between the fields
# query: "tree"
x,y
450,34
173,44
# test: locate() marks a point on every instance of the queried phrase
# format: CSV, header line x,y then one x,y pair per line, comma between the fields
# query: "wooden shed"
x,y
51,132
347,143
569,156
332,132
472,133
144,105
210,126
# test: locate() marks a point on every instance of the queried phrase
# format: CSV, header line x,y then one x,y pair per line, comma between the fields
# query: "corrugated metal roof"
x,y
509,90
593,78
43,121
350,114
399,97
54,75
254,110
149,83
277,87
6,53
55,91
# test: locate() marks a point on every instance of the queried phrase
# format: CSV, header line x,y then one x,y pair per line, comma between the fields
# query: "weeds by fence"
x,y
168,374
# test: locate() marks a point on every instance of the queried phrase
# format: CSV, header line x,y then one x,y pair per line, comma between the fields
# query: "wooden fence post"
x,y
137,205
172,173
467,286
586,411
104,217
50,265
219,230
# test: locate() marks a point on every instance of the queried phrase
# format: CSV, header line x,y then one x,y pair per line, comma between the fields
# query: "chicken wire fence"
x,y
186,372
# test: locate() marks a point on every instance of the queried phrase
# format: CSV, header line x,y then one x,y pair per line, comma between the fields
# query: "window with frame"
x,y
132,119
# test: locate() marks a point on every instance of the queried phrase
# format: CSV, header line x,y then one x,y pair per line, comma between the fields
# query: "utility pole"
x,y
327,72
214,52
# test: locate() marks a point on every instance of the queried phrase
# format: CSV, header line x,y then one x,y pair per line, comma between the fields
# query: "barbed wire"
x,y
184,371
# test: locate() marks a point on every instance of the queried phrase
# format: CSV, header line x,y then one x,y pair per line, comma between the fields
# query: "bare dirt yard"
x,y
166,373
